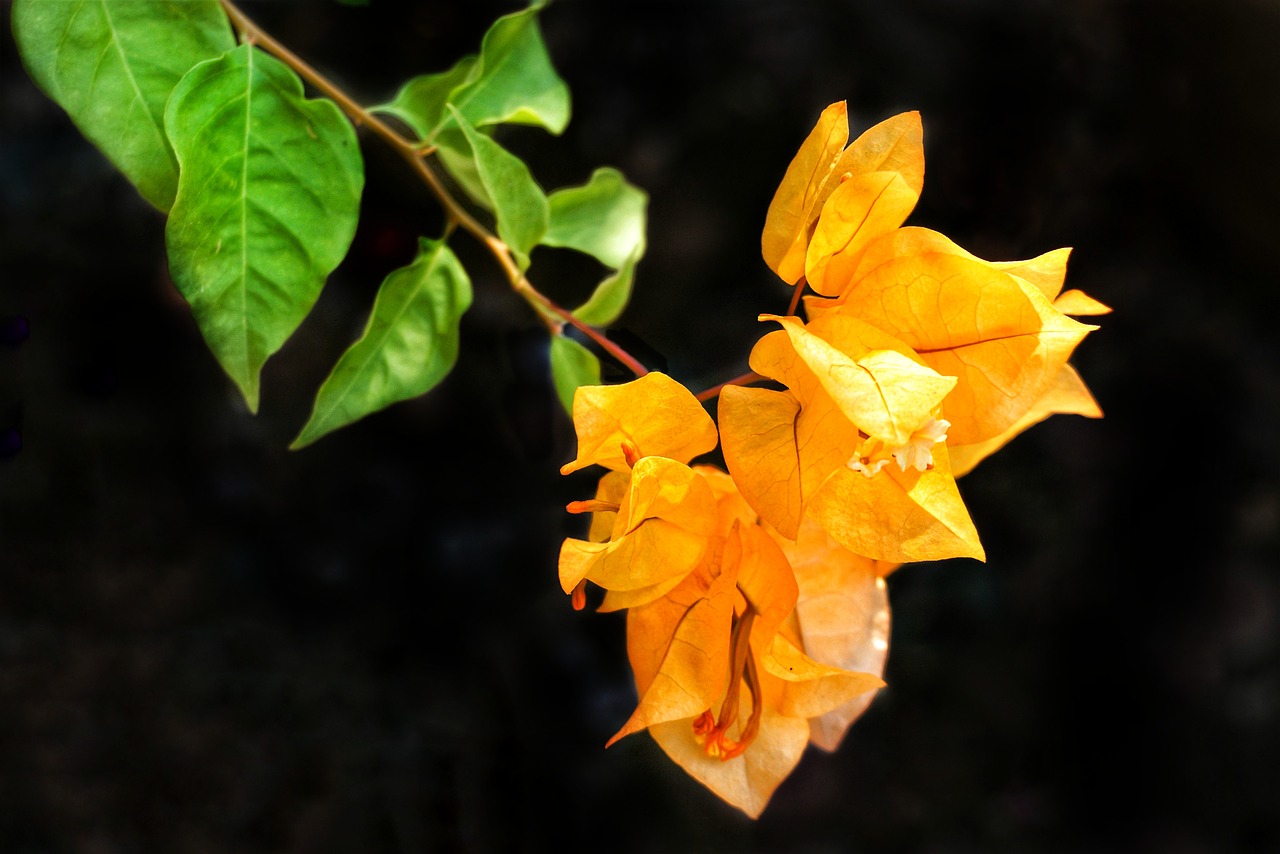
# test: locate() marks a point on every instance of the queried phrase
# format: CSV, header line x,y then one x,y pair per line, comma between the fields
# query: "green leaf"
x,y
517,83
268,198
111,65
610,296
604,218
572,365
422,102
512,81
409,344
519,205
454,154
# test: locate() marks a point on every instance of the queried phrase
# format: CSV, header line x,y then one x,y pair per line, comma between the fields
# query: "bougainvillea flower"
x,y
853,442
724,689
877,179
659,534
995,331
1067,396
652,515
653,415
841,619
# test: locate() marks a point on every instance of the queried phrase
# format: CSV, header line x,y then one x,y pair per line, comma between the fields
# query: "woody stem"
x,y
414,153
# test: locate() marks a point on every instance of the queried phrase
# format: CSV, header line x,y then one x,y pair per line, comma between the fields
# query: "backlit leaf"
x,y
610,297
267,203
409,344
572,365
604,218
111,64
519,204
516,82
422,103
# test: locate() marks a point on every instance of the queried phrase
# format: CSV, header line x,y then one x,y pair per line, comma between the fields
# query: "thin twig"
x,y
414,152
748,377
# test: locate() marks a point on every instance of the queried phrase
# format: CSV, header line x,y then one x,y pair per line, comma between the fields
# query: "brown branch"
x,y
414,153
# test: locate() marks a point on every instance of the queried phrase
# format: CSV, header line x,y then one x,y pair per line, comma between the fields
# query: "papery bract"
x,y
719,640
654,414
841,396
659,534
891,148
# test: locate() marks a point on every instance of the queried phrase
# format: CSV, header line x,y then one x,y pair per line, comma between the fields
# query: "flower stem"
x,y
748,377
414,153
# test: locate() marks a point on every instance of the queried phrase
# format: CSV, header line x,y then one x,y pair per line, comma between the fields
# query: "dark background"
x,y
211,644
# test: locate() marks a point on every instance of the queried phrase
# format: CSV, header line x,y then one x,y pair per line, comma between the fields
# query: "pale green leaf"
x,y
572,365
454,154
519,205
517,83
610,296
111,64
512,81
421,102
409,344
604,218
268,197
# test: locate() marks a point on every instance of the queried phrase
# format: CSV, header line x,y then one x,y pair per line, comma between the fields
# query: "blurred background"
x,y
211,644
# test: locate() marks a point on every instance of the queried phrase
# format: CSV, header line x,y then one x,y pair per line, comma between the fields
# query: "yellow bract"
x,y
655,415
884,167
758,614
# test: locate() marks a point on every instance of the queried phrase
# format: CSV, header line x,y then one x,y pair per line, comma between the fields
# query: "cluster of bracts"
x,y
757,612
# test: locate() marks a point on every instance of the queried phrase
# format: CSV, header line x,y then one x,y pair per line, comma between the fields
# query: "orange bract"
x,y
758,614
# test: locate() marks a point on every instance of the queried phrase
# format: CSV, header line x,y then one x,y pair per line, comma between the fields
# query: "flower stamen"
x,y
713,733
591,505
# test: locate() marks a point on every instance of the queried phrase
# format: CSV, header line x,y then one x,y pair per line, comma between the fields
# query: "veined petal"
x,y
1078,304
1067,396
842,618
764,577
999,336
861,209
809,688
898,516
746,781
894,145
665,489
886,394
693,668
758,437
655,414
798,199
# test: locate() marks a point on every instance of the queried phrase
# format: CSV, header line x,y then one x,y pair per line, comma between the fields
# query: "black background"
x,y
211,644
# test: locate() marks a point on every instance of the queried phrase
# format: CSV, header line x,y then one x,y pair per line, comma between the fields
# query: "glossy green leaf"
x,y
519,205
604,218
422,102
512,81
268,198
610,296
409,344
111,64
572,365
454,154
517,83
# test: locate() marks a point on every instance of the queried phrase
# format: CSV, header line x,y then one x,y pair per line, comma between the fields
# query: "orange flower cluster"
x,y
758,618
